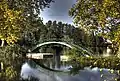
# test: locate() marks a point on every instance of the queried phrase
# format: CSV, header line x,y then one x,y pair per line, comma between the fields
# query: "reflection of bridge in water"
x,y
57,57
46,74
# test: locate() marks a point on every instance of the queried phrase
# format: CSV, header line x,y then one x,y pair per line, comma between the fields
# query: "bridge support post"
x,y
57,60
57,57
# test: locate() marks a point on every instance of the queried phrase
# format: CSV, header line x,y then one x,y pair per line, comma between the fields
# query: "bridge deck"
x,y
38,55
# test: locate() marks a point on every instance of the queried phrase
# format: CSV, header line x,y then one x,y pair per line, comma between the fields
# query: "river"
x,y
43,74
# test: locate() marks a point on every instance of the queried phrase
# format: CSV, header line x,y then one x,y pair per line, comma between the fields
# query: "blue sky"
x,y
58,11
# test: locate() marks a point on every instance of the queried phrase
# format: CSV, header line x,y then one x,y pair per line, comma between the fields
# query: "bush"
x,y
12,58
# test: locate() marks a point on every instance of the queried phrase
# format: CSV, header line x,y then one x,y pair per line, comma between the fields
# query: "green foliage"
x,y
98,15
9,20
71,53
18,17
11,53
29,6
77,52
58,31
12,58
10,73
97,11
55,30
112,63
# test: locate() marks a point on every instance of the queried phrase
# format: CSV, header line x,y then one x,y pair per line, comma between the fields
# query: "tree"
x,y
9,20
17,16
19,19
55,30
12,59
98,16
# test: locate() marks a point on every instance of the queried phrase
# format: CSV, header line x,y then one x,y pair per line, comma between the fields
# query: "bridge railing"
x,y
70,41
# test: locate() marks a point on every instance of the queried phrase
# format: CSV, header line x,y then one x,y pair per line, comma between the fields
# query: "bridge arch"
x,y
54,42
61,43
83,51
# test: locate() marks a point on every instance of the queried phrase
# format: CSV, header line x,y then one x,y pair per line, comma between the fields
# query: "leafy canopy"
x,y
9,23
98,15
19,16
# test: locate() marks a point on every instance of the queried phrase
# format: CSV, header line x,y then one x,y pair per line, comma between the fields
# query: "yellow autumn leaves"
x,y
10,19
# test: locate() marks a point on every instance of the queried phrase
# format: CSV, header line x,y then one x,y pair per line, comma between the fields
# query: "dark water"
x,y
46,75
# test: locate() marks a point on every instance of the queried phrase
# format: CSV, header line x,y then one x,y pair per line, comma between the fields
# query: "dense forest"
x,y
21,28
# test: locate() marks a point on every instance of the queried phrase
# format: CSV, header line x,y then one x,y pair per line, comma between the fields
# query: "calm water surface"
x,y
46,75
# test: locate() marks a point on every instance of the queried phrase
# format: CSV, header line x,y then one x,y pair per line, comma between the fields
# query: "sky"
x,y
58,11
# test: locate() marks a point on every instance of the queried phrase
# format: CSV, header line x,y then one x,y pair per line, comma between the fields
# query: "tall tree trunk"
x,y
100,1
2,44
1,63
118,53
